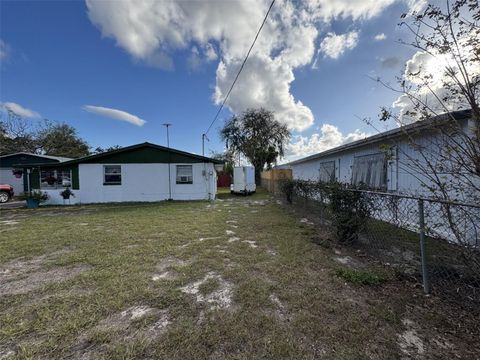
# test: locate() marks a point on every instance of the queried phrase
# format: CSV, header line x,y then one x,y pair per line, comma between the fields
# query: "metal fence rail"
x,y
434,242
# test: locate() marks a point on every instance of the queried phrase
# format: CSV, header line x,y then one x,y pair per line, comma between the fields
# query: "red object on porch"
x,y
224,180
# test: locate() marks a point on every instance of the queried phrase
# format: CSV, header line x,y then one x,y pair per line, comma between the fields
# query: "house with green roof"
x,y
142,172
15,176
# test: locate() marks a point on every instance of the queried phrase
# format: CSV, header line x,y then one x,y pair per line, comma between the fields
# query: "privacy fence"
x,y
436,243
272,179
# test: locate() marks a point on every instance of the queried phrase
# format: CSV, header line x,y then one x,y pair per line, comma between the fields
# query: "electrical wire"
x,y
241,68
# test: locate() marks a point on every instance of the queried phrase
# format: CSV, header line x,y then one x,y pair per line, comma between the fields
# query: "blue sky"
x,y
58,57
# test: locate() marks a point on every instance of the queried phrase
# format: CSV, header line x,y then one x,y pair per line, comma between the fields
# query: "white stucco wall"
x,y
140,182
7,177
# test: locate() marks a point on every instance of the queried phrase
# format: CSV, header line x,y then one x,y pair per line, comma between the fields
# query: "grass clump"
x,y
360,277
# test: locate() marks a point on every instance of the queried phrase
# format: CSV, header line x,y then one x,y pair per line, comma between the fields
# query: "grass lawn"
x,y
240,277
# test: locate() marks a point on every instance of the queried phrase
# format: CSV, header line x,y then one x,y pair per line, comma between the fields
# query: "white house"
x,y
382,162
14,176
142,172
385,163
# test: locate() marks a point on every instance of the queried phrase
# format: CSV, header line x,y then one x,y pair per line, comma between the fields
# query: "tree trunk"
x,y
258,172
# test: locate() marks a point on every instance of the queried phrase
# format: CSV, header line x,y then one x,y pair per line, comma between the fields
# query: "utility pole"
x,y
167,125
204,136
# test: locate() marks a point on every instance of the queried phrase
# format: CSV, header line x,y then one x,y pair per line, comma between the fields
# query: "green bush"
x,y
287,187
350,211
349,207
35,195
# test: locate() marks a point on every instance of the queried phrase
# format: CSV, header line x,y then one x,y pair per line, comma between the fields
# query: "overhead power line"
x,y
241,68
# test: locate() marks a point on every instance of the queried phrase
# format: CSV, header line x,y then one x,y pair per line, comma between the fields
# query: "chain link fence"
x,y
436,243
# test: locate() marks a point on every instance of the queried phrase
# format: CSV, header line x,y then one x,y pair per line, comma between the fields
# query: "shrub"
x,y
67,193
287,186
350,211
35,195
349,208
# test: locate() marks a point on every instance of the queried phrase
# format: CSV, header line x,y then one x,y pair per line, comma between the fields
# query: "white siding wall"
x,y
309,170
401,176
7,177
140,182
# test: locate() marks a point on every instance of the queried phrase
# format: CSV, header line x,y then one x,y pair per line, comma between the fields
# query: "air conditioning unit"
x,y
184,178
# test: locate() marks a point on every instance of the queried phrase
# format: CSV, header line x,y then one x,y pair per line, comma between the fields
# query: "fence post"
x,y
421,223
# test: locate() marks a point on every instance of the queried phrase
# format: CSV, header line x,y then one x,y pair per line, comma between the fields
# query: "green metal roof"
x,y
10,160
139,153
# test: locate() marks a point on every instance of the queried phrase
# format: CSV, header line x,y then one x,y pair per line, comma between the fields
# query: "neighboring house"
x,y
134,173
381,162
385,163
15,176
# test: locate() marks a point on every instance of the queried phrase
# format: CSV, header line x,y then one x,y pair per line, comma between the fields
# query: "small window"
x,y
370,170
112,175
184,174
327,171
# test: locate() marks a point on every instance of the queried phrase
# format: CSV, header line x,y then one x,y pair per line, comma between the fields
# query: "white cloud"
x,y
270,87
415,6
365,9
152,29
210,53
199,58
426,74
4,51
20,110
115,114
380,37
328,137
334,45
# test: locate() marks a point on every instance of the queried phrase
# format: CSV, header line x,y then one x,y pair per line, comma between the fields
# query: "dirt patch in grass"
x,y
37,279
410,343
123,319
251,243
8,222
21,276
348,261
280,309
127,326
209,238
166,269
212,290
21,266
306,221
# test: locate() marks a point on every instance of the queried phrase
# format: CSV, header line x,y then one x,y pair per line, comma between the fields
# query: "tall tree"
x,y
258,136
15,134
99,149
228,158
61,140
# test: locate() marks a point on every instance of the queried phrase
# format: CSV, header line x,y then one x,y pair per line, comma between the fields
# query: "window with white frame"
x,y
55,179
370,170
112,175
327,171
184,174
